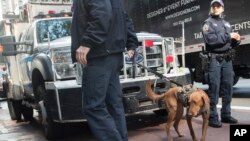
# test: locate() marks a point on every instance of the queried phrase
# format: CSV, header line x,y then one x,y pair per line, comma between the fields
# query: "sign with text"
x,y
239,132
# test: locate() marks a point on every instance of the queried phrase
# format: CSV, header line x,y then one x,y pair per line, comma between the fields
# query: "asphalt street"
x,y
144,126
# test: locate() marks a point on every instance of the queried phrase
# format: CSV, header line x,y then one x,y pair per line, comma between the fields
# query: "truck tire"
x,y
11,110
17,109
52,130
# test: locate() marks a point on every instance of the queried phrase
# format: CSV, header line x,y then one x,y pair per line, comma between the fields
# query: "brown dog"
x,y
198,104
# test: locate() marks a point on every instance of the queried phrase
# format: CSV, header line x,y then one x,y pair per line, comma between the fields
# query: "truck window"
x,y
54,28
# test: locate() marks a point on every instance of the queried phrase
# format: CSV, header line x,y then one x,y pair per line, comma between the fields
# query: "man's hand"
x,y
131,53
81,54
235,35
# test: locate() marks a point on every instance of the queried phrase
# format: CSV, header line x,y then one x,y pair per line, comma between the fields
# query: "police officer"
x,y
219,41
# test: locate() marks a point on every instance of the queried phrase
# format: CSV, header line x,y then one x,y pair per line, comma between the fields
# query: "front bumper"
x,y
65,100
65,97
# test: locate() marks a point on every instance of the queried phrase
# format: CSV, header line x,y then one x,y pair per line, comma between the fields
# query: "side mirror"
x,y
7,45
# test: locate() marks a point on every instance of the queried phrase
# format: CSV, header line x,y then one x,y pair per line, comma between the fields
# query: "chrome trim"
x,y
58,105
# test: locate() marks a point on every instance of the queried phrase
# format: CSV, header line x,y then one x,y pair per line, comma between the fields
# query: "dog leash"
x,y
159,75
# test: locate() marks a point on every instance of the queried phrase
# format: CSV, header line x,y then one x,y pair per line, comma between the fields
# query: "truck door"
x,y
26,59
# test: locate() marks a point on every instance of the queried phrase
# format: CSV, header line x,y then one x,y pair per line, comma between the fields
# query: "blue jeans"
x,y
220,80
102,98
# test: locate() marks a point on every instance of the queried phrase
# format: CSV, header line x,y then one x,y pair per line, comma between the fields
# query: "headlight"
x,y
62,62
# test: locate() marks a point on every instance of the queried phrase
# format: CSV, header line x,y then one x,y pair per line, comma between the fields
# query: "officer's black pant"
x,y
102,98
220,80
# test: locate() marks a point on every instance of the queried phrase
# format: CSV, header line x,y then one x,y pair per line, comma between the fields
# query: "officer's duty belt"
x,y
215,55
227,55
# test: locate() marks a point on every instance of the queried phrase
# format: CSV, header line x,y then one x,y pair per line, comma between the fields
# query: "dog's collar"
x,y
184,96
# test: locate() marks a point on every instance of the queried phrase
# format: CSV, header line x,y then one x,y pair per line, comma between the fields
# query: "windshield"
x,y
54,28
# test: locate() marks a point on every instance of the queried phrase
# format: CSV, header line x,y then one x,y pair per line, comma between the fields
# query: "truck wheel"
x,y
17,108
11,110
52,130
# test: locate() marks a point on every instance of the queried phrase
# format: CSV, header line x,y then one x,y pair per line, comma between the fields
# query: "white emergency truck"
x,y
40,63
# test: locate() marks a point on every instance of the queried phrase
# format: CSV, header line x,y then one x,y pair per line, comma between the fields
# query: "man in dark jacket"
x,y
101,32
219,40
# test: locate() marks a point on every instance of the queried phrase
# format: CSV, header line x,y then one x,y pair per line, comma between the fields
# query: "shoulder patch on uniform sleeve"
x,y
205,27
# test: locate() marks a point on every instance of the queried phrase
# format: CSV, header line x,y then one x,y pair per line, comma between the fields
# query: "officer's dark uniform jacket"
x,y
216,34
103,26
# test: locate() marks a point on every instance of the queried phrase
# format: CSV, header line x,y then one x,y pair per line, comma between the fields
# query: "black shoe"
x,y
229,119
215,124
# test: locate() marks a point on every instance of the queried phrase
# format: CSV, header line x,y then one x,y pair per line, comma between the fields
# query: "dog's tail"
x,y
151,94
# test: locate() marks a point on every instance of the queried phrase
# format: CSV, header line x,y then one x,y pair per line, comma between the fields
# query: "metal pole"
x,y
124,67
183,45
164,48
145,57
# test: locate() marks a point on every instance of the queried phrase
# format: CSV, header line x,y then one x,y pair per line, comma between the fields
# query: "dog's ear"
x,y
206,100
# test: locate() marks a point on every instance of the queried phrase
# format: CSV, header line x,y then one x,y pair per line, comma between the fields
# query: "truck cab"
x,y
49,40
